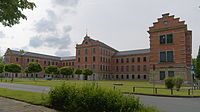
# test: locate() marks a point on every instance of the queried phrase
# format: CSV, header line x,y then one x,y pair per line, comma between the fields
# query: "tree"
x,y
197,66
52,69
66,71
1,59
1,71
178,82
169,83
87,72
11,11
33,67
78,72
13,68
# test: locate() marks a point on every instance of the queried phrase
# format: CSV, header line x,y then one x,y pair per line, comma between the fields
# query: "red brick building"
x,y
169,55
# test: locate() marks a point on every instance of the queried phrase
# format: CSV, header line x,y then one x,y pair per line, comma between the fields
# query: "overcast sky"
x,y
56,26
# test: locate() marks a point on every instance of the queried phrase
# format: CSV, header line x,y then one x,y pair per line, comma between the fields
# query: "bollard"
x,y
133,89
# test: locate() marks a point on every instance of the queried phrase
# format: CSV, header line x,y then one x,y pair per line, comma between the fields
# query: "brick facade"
x,y
169,55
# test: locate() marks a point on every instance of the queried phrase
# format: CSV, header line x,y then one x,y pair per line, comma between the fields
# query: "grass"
x,y
127,86
29,97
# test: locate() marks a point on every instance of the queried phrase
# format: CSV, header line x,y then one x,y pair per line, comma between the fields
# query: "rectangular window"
x,y
117,76
162,39
145,77
122,76
117,68
162,56
86,51
27,60
17,59
170,56
133,68
117,60
79,59
45,62
127,76
162,75
79,52
72,63
127,60
138,76
94,50
86,59
170,73
127,68
85,66
144,59
133,76
138,68
138,59
169,38
122,68
94,58
49,63
93,66
133,60
32,60
122,60
144,68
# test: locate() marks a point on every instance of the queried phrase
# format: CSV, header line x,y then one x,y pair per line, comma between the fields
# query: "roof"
x,y
68,58
132,52
37,55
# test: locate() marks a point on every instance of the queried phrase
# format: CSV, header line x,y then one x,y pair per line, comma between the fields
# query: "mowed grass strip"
x,y
29,97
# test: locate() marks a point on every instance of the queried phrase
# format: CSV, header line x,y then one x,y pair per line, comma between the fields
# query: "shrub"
x,y
93,99
178,82
169,83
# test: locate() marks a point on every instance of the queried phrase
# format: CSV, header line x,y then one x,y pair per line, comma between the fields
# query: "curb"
x,y
156,95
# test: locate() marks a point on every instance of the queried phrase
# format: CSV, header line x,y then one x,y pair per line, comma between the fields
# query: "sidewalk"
x,y
9,105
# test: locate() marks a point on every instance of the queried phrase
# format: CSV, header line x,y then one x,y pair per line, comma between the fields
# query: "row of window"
x,y
127,68
125,76
164,73
127,60
102,51
68,64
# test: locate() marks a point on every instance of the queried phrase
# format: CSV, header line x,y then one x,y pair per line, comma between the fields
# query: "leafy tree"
x,y
87,72
1,71
66,71
78,71
33,67
1,59
178,82
169,83
52,69
11,11
197,66
13,68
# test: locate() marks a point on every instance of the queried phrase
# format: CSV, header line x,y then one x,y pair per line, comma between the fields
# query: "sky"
x,y
54,27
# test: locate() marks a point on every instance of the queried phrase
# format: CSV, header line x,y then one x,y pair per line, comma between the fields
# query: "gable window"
x,y
166,56
162,75
166,39
170,73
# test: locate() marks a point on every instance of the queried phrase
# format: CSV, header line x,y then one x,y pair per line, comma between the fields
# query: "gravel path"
x,y
9,105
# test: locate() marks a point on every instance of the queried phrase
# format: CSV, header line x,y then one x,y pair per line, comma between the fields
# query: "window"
x,y
85,66
32,60
17,59
165,22
79,52
101,67
122,68
49,63
122,77
94,50
138,59
101,59
170,73
86,51
138,68
133,60
166,56
86,59
117,68
133,76
52,63
72,63
144,59
127,68
144,68
79,59
66,64
45,62
162,75
166,39
145,76
127,60
94,58
27,60
138,76
133,68
69,63
117,76
36,60
117,60
63,64
93,66
122,60
127,76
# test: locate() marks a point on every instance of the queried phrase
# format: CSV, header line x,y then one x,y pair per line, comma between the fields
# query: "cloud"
x,y
65,3
36,42
62,53
2,35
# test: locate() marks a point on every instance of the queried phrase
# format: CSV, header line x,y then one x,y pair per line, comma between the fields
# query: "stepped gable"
x,y
167,22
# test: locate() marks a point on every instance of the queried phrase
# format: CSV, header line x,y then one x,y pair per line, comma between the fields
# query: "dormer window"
x,y
165,22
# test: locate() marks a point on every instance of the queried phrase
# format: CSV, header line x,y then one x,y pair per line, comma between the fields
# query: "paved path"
x,y
9,105
169,104
23,87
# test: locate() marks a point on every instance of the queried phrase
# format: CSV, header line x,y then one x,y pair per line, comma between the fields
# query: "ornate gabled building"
x,y
169,55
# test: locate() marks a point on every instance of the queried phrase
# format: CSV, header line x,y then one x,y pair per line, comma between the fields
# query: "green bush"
x,y
93,99
170,82
178,82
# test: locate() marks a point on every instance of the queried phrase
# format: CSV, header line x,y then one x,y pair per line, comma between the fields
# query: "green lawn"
x,y
29,97
127,86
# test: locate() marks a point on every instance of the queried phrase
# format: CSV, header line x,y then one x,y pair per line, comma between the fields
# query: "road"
x,y
164,104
